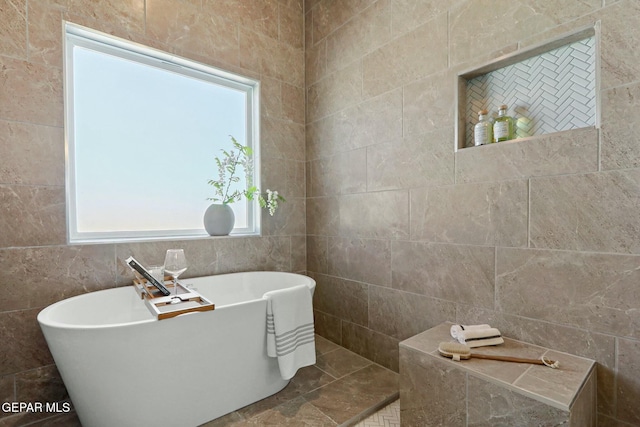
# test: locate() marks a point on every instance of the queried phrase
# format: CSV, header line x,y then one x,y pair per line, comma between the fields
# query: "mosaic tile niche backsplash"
x,y
554,90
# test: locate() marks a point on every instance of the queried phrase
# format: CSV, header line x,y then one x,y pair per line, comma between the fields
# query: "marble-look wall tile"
x,y
336,91
380,215
431,392
620,34
315,62
127,14
329,15
411,162
373,345
291,24
310,4
400,61
604,421
360,35
298,254
271,103
23,345
327,326
322,216
185,26
628,385
402,314
31,154
620,122
39,276
583,410
317,255
7,390
13,31
32,216
489,404
591,212
288,220
345,299
282,139
271,58
40,385
343,173
308,31
585,290
409,14
288,177
364,260
574,151
475,214
44,25
31,93
375,120
451,272
479,27
261,17
429,104
253,254
293,103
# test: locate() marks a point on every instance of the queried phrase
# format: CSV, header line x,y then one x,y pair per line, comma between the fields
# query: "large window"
x,y
143,128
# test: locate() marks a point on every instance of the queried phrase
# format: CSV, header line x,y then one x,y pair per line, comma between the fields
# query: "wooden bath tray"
x,y
166,307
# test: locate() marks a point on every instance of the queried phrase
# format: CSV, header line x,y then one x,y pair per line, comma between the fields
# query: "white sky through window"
x,y
145,142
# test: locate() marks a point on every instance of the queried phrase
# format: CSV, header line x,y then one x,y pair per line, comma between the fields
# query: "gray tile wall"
x,y
264,40
540,238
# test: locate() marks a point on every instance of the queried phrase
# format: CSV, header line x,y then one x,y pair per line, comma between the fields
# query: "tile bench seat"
x,y
437,391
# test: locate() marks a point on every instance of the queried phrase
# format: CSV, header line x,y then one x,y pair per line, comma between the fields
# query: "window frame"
x,y
76,35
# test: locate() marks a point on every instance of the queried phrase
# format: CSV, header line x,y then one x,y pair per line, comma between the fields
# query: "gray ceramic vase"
x,y
219,220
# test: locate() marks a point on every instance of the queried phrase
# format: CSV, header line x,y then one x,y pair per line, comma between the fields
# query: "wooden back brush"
x,y
457,351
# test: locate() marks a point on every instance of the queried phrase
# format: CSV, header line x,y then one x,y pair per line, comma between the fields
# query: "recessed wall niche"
x,y
549,88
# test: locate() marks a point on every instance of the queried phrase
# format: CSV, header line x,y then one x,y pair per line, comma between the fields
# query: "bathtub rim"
x,y
45,317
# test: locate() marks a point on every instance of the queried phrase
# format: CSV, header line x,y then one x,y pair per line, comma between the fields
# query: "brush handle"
x,y
510,359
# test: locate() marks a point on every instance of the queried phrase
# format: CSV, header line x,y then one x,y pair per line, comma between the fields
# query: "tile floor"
x,y
341,389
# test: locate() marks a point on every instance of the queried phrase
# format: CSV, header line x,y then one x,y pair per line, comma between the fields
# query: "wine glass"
x,y
174,265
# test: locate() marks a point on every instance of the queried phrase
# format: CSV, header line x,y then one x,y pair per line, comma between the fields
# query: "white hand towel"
x,y
458,329
480,337
290,332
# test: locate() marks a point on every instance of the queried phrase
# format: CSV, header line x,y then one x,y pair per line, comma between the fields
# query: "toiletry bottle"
x,y
503,126
482,131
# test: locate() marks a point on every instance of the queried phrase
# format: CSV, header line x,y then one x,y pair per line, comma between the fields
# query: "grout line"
x,y
466,399
529,213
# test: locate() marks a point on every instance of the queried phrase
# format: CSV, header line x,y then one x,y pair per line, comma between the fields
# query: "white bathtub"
x,y
122,367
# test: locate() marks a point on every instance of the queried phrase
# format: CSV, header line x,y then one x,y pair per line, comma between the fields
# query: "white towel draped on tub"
x,y
290,333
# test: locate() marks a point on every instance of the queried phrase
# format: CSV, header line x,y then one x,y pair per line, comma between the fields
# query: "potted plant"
x,y
219,218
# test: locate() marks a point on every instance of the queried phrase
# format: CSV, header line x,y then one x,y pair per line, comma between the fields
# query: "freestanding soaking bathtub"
x,y
122,367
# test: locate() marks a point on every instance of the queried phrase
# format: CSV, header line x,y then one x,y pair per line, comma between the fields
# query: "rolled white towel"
x,y
458,329
480,337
